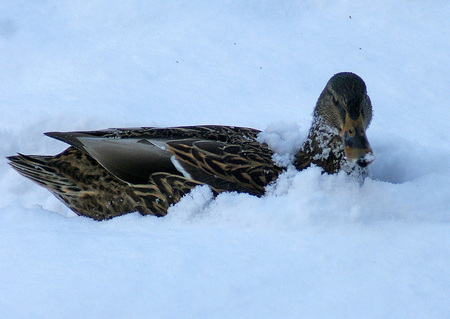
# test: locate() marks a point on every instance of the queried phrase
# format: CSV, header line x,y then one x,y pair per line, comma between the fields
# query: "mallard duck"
x,y
112,172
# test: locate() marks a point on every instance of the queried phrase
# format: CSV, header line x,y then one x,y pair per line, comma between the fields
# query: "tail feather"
x,y
39,170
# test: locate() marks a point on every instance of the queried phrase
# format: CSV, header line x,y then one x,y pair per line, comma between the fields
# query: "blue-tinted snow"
x,y
317,246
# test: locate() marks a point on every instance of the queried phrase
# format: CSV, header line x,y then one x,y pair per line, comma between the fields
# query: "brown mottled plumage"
x,y
108,173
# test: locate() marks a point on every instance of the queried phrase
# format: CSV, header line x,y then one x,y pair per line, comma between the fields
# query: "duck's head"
x,y
345,106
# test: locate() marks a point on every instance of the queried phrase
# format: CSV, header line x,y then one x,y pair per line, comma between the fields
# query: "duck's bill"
x,y
362,157
357,147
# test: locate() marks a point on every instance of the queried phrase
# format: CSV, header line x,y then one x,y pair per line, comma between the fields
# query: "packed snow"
x,y
316,246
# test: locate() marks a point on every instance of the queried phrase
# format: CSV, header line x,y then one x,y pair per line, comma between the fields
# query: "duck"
x,y
109,173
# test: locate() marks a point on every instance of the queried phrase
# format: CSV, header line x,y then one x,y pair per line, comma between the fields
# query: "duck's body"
x,y
113,172
108,173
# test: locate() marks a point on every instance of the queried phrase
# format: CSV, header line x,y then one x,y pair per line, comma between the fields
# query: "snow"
x,y
317,246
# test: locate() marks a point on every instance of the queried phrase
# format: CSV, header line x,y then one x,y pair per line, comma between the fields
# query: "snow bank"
x,y
316,246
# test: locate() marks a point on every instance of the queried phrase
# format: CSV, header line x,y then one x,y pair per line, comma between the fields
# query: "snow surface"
x,y
317,246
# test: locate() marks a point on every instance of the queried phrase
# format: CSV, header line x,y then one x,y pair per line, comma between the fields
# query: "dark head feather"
x,y
345,93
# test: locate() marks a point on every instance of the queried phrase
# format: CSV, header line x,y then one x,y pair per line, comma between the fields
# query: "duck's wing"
x,y
226,158
132,160
245,167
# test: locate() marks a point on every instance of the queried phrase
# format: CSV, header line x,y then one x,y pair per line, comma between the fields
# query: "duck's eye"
x,y
335,100
351,132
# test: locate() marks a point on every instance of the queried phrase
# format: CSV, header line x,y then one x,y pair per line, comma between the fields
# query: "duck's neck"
x,y
323,147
